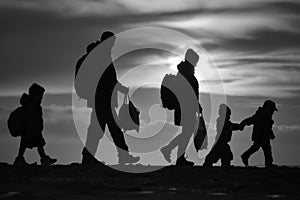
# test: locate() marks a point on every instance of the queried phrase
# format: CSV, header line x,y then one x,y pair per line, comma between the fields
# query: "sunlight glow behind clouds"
x,y
238,20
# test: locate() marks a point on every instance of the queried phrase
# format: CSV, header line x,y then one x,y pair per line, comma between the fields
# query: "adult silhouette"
x,y
32,136
188,108
103,101
262,132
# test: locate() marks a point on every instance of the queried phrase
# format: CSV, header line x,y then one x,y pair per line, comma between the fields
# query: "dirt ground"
x,y
100,182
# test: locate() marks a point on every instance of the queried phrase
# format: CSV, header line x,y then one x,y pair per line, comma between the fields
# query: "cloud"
x,y
69,7
259,29
55,113
58,121
287,128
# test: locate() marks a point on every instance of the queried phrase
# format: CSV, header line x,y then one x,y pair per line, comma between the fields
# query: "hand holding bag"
x,y
129,115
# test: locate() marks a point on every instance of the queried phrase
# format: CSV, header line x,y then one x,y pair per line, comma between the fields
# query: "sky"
x,y
253,45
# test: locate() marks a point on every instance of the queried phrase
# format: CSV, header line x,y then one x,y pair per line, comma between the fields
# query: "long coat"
x,y
32,136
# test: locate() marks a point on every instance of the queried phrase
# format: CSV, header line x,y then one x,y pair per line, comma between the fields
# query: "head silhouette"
x,y
224,111
269,104
192,57
37,92
108,35
270,107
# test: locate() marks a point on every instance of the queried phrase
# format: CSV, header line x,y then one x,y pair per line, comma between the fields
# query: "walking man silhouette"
x,y
187,93
103,101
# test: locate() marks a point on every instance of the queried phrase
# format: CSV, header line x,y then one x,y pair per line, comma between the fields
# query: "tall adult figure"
x,y
187,93
101,83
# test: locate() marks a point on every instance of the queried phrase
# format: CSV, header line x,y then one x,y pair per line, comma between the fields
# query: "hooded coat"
x,y
32,136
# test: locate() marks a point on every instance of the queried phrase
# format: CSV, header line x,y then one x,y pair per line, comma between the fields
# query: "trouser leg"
x,y
116,133
254,148
212,157
227,156
94,134
41,151
183,140
20,160
22,149
268,153
175,141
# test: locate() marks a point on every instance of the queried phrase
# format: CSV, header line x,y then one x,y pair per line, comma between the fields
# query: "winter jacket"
x,y
262,126
32,136
224,130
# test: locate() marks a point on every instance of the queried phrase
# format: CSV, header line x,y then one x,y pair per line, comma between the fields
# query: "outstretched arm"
x,y
247,122
236,127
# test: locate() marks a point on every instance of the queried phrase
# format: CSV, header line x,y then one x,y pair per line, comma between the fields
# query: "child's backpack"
x,y
168,98
16,123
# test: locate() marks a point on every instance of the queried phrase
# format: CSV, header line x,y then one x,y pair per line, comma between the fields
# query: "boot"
x,y
20,161
270,165
166,153
181,161
47,161
88,159
126,158
207,164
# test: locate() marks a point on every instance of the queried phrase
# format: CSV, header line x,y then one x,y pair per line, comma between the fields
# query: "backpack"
x,y
80,91
168,98
16,123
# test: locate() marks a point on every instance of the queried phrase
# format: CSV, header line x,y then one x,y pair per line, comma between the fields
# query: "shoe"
x,y
183,162
126,158
20,161
245,160
47,161
88,159
166,153
271,165
207,165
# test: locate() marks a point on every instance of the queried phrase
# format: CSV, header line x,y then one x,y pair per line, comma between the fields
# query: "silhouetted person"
x,y
186,112
104,102
33,117
221,149
262,132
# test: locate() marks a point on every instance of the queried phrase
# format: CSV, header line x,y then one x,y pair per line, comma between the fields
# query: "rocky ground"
x,y
100,182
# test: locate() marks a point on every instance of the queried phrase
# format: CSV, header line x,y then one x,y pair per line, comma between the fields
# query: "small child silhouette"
x,y
221,149
262,132
33,118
